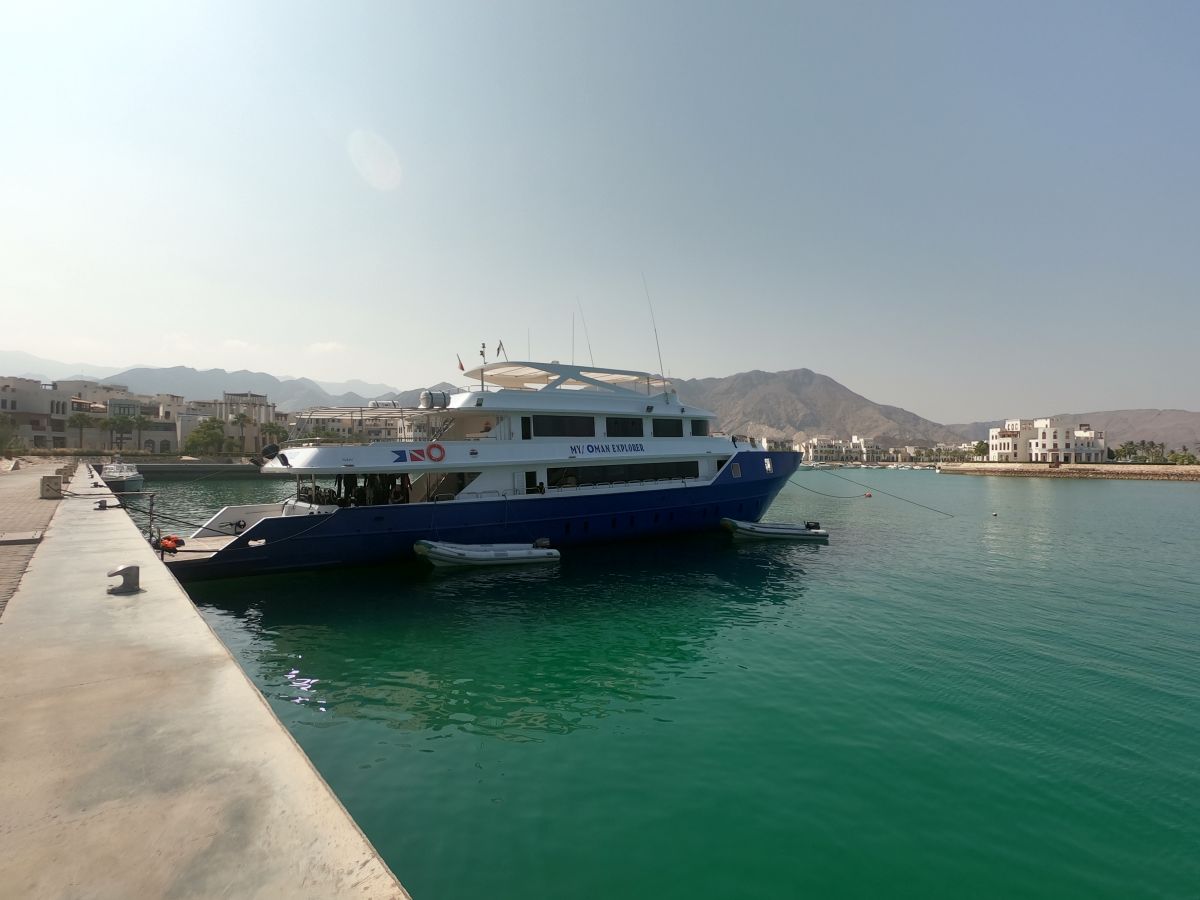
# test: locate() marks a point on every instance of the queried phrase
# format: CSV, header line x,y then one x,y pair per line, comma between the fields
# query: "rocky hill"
x,y
800,404
288,394
210,384
18,364
791,405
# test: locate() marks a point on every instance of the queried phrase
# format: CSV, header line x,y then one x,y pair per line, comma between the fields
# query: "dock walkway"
x,y
21,513
138,760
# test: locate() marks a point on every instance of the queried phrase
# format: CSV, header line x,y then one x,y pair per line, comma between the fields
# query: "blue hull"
x,y
377,534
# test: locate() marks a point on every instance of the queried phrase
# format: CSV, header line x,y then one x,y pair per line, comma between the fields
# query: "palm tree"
x,y
139,422
241,420
81,421
274,432
8,432
120,426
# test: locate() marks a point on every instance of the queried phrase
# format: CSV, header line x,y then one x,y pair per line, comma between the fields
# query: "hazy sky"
x,y
970,210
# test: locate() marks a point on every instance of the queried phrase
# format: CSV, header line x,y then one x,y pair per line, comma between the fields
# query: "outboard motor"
x,y
270,451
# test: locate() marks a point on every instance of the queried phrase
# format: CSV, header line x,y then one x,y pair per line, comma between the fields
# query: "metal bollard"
x,y
129,576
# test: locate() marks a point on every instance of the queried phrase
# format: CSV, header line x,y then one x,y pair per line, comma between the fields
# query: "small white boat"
x,y
444,553
765,531
121,477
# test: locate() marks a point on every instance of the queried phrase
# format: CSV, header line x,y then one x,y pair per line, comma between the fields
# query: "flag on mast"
x,y
460,365
500,349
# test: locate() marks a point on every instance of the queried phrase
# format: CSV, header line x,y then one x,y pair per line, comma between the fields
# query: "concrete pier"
x,y
138,760
22,515
1075,470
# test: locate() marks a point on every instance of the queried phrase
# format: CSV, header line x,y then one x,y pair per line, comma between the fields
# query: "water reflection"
x,y
516,653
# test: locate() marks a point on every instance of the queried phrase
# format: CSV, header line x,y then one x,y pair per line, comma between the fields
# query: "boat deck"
x,y
202,548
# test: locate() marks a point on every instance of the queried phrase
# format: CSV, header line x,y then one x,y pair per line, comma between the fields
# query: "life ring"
x,y
435,452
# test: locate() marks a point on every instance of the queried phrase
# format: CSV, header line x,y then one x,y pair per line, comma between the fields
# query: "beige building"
x,y
41,412
1051,440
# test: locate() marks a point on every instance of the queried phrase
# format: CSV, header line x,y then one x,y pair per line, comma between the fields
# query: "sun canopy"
x,y
543,376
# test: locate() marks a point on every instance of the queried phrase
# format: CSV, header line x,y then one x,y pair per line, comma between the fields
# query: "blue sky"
x,y
970,210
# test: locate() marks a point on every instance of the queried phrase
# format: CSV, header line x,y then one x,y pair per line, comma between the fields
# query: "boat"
x,y
764,531
445,554
571,453
122,477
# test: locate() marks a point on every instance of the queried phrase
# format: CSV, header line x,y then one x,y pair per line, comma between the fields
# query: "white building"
x,y
1049,440
1011,443
825,448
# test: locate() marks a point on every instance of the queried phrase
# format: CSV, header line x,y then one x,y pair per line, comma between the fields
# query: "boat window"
x,y
668,427
736,468
572,476
721,462
448,485
564,426
624,427
526,428
699,427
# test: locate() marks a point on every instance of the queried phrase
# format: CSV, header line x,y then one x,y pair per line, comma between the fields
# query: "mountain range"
x,y
791,405
801,403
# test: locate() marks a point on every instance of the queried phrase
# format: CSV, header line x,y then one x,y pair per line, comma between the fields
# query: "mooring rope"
x,y
941,512
823,494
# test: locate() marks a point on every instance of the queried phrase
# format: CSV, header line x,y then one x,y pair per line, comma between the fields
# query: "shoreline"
x,y
1112,471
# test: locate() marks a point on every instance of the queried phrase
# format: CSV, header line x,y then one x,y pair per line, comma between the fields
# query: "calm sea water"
x,y
987,705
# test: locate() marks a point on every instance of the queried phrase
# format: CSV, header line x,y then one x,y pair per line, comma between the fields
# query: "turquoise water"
x,y
987,705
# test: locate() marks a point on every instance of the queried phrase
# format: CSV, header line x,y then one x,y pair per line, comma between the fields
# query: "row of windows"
x,y
614,426
4,404
570,476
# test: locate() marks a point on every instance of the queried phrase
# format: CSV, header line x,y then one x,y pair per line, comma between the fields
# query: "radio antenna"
x,y
657,345
585,331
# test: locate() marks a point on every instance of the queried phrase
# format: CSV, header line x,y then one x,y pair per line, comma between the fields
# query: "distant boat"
x,y
762,531
444,554
122,477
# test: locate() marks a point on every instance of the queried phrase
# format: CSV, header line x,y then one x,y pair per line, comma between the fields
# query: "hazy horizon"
x,y
1023,414
951,208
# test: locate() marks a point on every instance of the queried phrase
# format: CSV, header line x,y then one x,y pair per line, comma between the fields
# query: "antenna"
x,y
572,337
585,331
657,346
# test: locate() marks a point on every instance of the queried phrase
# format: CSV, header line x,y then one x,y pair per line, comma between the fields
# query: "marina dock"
x,y
1074,470
138,758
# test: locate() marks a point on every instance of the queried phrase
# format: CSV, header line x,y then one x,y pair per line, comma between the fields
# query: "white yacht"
x,y
531,451
122,477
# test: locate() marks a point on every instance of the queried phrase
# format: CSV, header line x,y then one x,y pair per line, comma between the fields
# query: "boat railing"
x,y
483,495
593,485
